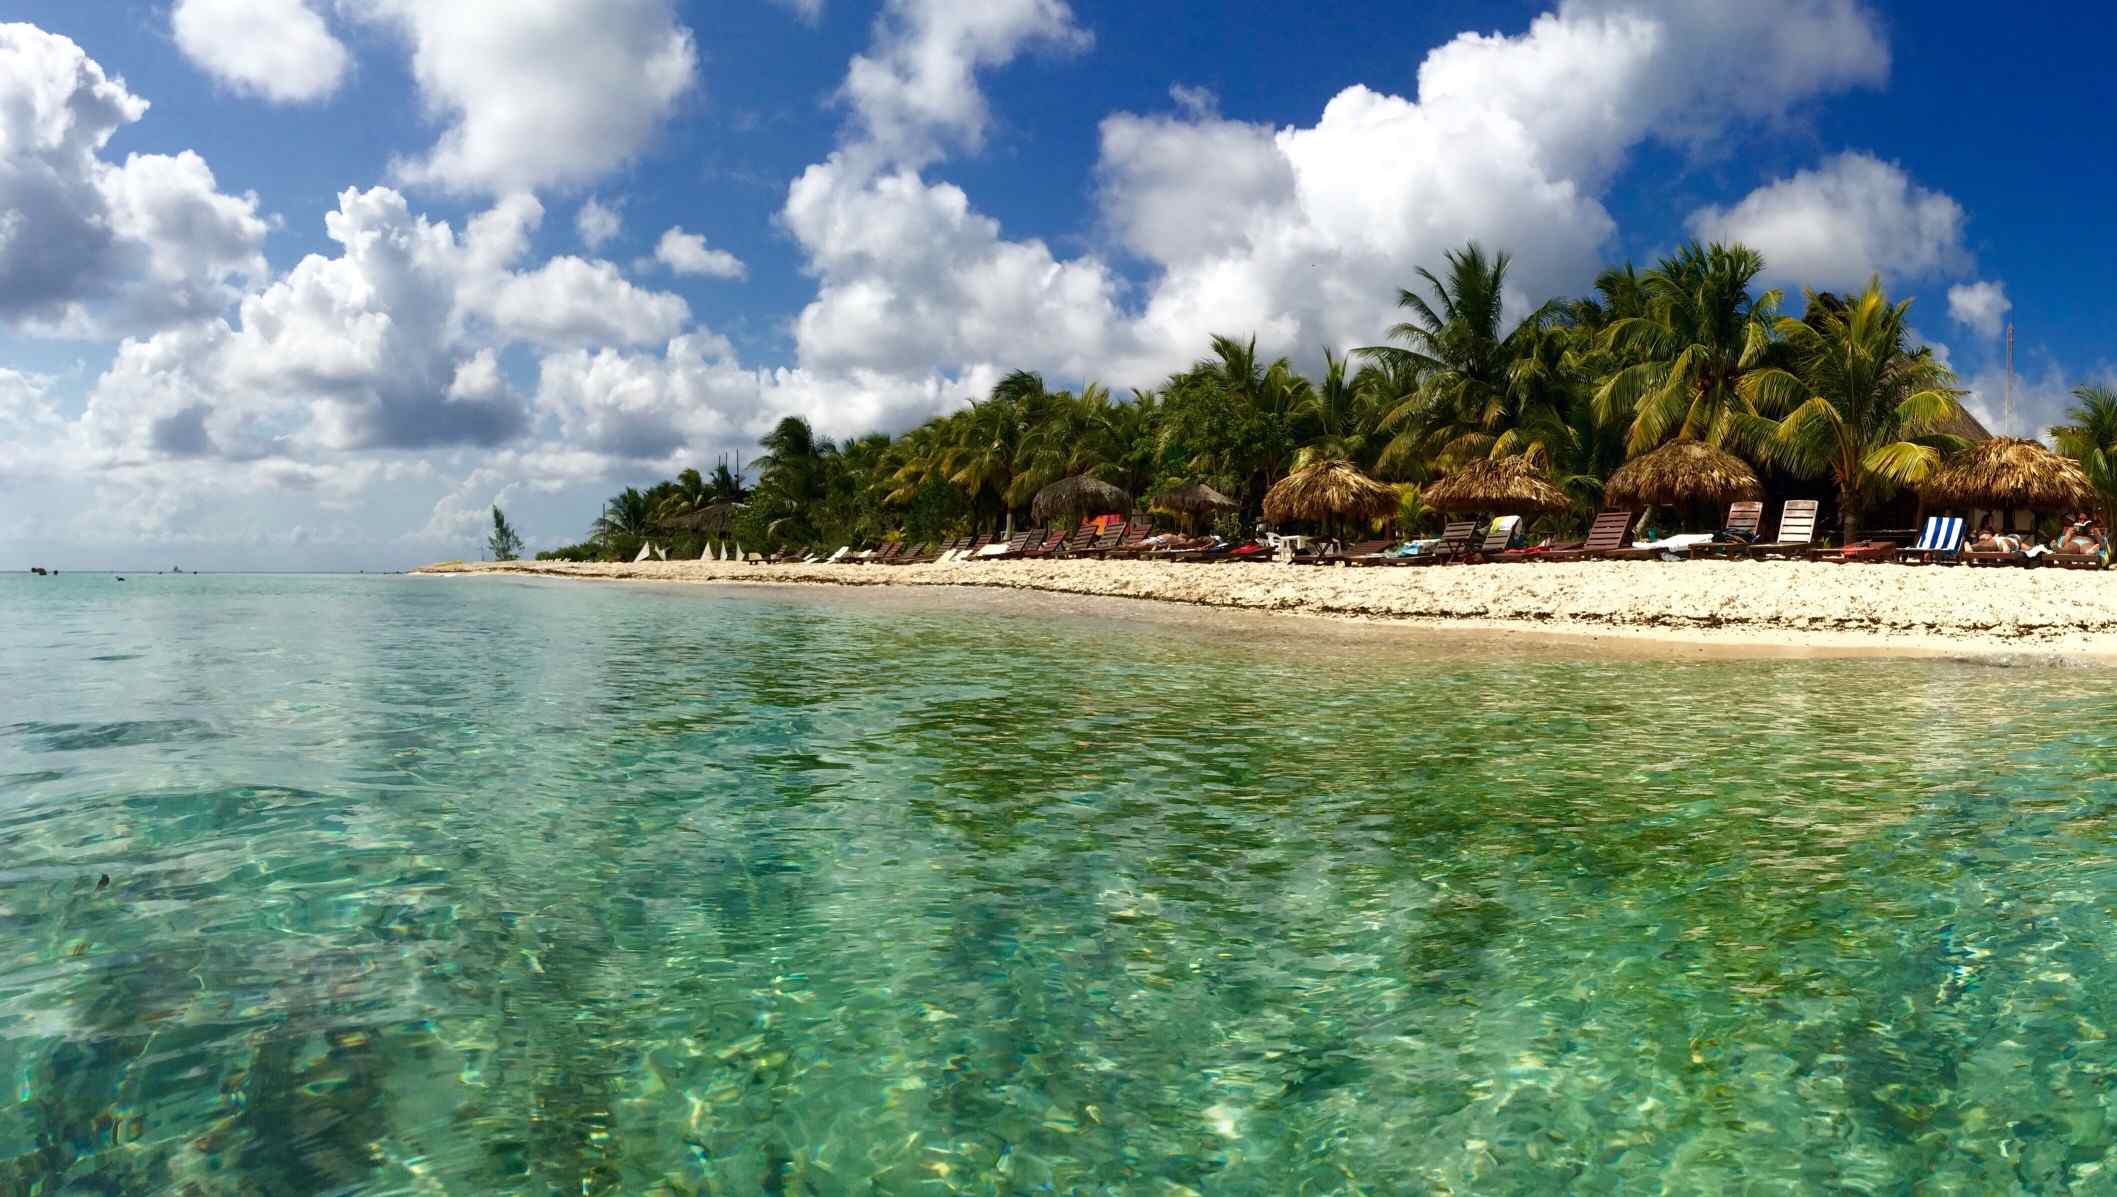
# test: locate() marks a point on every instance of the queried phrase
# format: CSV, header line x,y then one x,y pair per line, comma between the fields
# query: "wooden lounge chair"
x,y
1743,521
1048,542
1496,540
1367,552
1606,535
1456,541
1110,538
2001,557
1011,547
1797,531
1863,552
1941,541
2097,560
1081,540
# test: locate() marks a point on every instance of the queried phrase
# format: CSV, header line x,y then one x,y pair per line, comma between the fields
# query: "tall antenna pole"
x,y
2010,380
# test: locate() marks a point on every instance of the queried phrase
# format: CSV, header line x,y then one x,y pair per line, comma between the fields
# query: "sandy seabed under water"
x,y
1734,606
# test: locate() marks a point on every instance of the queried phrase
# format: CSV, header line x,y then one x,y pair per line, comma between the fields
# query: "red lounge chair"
x,y
1866,551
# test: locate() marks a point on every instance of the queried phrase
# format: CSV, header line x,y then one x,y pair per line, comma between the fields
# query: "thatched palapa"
x,y
1679,473
713,517
1194,499
1502,485
1081,496
2008,474
1331,489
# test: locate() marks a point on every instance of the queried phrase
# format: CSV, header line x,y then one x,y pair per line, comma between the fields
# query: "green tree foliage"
x,y
1576,386
1863,407
503,544
2089,436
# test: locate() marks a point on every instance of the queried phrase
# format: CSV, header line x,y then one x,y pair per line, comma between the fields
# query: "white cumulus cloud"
x,y
597,222
1981,306
546,93
1835,226
280,50
686,253
86,244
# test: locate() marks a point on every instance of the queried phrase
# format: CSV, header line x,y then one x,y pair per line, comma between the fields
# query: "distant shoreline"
x,y
1740,608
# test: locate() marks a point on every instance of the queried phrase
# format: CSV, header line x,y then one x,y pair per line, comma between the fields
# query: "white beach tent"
x,y
662,554
646,550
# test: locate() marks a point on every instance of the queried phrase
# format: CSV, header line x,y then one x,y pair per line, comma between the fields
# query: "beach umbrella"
x,y
1192,502
1681,473
1502,485
1329,489
1081,496
1194,499
2005,474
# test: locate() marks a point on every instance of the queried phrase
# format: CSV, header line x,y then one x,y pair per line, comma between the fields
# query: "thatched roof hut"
x,y
1329,489
1194,499
1503,485
2009,474
1082,496
713,517
1680,473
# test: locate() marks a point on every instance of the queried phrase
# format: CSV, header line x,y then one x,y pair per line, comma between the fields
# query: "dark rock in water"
x,y
103,883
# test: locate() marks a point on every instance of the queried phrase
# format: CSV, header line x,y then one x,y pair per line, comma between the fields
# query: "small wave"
x,y
78,737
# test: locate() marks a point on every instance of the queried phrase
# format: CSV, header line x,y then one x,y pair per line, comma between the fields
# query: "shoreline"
x,y
1723,608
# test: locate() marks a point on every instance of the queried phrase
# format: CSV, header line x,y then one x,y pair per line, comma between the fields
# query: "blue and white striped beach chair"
x,y
1941,541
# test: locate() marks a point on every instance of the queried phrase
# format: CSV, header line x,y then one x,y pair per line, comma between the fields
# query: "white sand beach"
x,y
1732,604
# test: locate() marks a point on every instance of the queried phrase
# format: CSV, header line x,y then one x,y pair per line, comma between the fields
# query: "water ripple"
x,y
397,886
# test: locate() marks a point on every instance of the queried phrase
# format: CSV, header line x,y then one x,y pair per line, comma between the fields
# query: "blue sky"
x,y
920,195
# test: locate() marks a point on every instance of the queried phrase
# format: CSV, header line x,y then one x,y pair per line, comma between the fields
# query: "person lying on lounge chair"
x,y
2080,536
1990,541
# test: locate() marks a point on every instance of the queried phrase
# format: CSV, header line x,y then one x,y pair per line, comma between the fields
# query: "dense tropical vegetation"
x,y
1837,403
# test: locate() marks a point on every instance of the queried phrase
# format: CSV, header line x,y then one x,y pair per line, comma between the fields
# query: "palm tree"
x,y
725,485
1338,417
1461,354
627,519
792,479
2090,437
1682,359
1862,406
689,493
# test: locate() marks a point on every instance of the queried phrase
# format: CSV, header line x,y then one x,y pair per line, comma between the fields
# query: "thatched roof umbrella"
x,y
1681,473
1326,490
2004,474
1504,486
1194,499
1082,496
713,517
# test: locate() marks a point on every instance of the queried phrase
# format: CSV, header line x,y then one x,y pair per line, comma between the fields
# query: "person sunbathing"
x,y
1989,540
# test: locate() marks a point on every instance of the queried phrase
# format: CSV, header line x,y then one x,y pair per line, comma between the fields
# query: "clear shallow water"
x,y
423,886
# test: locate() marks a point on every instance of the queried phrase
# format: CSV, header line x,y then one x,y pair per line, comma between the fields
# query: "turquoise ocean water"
x,y
423,886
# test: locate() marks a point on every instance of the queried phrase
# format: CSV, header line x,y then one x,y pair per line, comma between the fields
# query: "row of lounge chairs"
x,y
1468,541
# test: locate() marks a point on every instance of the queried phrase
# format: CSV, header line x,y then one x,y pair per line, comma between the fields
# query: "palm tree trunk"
x,y
1849,512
